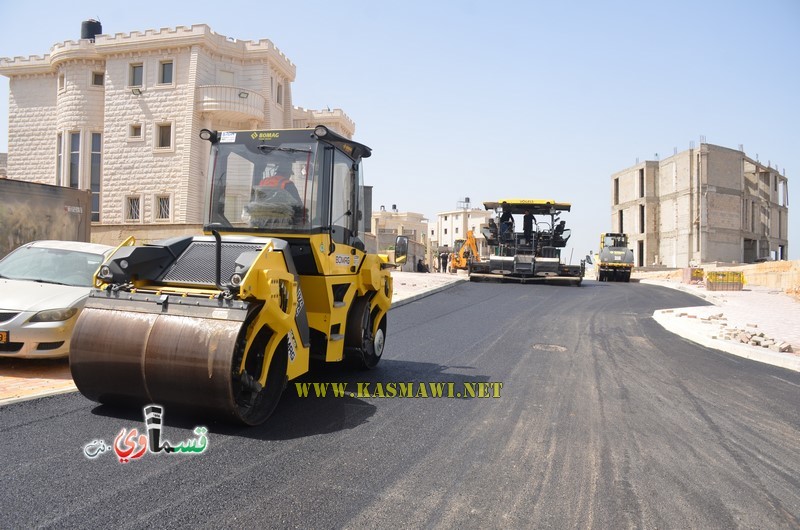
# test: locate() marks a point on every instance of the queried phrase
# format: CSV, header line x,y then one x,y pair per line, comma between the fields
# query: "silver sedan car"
x,y
43,287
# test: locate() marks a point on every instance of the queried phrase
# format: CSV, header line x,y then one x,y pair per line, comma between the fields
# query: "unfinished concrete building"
x,y
702,205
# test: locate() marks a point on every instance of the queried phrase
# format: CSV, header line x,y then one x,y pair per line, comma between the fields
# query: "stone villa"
x,y
120,115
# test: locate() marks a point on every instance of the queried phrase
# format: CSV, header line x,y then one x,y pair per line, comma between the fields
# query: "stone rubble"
x,y
744,336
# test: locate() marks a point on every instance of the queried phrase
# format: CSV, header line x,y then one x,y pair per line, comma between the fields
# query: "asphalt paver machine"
x,y
532,255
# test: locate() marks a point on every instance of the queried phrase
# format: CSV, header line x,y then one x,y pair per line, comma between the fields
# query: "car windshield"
x,y
265,185
51,265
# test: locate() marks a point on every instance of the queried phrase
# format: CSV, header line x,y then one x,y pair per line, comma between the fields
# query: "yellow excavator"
x,y
465,251
219,323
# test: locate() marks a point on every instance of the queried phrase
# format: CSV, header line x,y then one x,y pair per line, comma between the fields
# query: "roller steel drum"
x,y
123,351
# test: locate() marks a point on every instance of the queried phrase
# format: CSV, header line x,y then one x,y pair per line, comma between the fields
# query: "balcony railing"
x,y
230,102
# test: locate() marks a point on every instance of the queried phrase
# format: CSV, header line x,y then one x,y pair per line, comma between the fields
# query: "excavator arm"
x,y
472,243
469,248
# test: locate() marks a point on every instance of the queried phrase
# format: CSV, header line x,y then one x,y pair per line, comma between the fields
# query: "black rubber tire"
x,y
263,404
365,347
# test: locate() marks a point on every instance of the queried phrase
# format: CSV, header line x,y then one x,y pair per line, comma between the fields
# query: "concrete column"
x,y
288,109
265,91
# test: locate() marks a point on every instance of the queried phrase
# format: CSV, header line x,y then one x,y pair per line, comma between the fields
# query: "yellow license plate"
x,y
3,337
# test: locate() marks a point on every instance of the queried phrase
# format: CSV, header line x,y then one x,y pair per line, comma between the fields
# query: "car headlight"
x,y
54,315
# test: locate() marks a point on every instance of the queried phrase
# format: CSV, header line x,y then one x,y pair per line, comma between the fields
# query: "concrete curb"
x,y
423,294
678,287
668,320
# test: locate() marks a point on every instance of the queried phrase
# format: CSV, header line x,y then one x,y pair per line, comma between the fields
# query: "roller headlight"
x,y
54,315
209,136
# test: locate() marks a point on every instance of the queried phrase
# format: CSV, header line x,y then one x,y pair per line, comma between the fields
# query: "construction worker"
x,y
444,257
279,181
527,227
276,201
506,220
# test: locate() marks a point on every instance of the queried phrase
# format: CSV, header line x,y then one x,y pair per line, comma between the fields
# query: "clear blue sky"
x,y
503,99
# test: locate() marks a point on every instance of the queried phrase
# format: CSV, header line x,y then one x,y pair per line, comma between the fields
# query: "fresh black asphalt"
x,y
604,420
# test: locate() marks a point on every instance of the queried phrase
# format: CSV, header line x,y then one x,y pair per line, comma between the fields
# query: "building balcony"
x,y
230,102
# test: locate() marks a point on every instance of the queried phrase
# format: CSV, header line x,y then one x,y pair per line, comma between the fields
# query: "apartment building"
x,y
702,205
453,225
388,224
121,114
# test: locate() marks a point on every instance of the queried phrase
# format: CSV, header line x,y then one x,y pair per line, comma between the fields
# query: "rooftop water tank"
x,y
90,29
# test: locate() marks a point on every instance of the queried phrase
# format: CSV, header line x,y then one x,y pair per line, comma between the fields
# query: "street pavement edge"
x,y
667,320
423,294
37,395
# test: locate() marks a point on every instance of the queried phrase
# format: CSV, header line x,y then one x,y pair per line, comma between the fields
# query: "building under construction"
x,y
702,205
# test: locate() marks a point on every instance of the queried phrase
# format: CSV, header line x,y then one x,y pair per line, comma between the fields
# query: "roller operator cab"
x,y
219,323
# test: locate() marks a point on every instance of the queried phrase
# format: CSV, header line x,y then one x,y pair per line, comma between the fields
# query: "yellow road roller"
x,y
219,323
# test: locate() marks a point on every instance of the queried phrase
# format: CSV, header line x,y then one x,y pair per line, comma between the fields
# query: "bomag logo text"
x,y
342,259
265,135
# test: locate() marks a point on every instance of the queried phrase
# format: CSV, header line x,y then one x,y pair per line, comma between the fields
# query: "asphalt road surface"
x,y
603,420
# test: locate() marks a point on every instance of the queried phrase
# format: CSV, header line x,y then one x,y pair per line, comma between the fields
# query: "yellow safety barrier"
x,y
724,281
693,275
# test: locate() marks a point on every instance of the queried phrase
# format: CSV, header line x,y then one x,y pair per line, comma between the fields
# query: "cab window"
x,y
343,201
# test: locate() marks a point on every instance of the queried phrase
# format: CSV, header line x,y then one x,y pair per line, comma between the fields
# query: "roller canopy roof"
x,y
535,206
